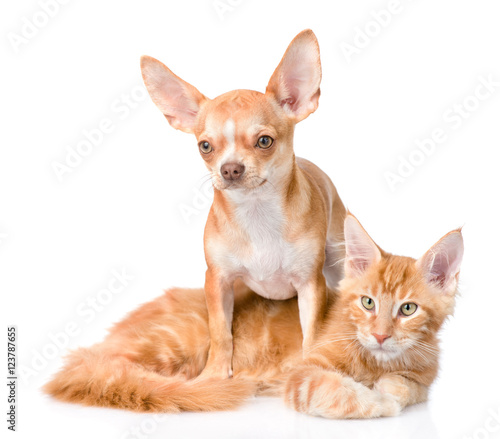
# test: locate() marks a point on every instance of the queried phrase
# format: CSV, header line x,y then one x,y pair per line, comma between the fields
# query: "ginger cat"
x,y
377,351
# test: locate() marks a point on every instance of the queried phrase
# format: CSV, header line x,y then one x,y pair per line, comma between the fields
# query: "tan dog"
x,y
276,222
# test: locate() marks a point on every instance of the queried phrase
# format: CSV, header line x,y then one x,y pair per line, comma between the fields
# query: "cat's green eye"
x,y
407,309
368,303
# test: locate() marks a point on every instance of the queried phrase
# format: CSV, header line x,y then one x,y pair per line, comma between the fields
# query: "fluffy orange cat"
x,y
377,351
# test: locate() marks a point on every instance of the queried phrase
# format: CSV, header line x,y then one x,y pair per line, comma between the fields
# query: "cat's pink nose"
x,y
381,338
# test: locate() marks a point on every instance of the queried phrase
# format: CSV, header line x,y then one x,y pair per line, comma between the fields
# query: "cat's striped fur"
x,y
150,360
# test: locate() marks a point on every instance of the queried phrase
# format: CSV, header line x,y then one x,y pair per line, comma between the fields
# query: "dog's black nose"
x,y
232,171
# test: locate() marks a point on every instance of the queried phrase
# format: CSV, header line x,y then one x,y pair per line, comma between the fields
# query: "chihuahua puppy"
x,y
276,221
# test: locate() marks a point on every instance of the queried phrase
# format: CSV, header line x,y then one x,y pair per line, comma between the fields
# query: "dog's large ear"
x,y
176,99
295,82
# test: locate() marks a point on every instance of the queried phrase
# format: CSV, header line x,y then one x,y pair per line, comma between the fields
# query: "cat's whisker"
x,y
330,341
423,343
350,345
428,349
414,350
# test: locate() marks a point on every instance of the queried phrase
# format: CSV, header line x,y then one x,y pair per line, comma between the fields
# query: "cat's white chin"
x,y
383,355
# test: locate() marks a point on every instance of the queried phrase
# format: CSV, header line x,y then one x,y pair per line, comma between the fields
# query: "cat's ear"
x,y
179,101
441,263
361,251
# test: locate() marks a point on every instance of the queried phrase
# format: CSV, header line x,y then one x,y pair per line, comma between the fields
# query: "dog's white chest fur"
x,y
268,262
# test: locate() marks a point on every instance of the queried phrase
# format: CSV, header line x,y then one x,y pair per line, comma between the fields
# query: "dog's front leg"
x,y
312,306
220,303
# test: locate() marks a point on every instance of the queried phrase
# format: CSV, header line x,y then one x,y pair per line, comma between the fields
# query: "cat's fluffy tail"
x,y
90,377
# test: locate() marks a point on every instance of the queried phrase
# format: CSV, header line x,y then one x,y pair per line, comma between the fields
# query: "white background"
x,y
120,207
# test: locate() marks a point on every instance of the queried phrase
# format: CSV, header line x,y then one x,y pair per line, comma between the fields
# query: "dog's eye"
x,y
205,147
407,309
265,142
368,303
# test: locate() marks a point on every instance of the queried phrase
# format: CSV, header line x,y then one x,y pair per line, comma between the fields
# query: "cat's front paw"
x,y
329,394
394,386
403,390
389,406
309,390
